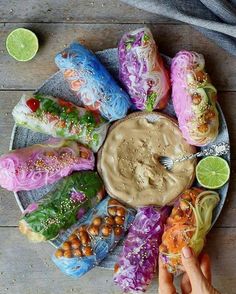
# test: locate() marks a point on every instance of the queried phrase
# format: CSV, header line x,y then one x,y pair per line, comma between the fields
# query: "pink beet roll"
x,y
41,164
194,98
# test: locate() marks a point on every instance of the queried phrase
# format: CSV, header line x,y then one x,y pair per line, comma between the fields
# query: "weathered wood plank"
x,y
27,268
53,37
83,11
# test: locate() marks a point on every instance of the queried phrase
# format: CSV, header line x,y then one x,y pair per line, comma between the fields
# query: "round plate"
x,y
56,86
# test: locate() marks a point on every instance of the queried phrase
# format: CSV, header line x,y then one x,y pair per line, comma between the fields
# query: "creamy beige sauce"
x,y
129,162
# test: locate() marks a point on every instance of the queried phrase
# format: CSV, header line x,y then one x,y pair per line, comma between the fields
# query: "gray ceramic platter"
x,y
56,86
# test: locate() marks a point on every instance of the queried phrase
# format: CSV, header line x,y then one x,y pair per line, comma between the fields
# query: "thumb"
x,y
192,268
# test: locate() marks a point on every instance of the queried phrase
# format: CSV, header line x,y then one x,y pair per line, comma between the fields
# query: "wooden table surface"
x,y
26,268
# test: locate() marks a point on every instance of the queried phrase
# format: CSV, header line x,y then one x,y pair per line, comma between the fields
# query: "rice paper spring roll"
x,y
92,83
142,71
194,98
90,241
62,206
60,118
38,165
188,225
138,261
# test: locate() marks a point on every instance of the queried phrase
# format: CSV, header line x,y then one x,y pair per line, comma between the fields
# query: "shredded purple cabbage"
x,y
138,261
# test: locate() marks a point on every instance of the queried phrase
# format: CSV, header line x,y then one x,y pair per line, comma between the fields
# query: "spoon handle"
x,y
215,149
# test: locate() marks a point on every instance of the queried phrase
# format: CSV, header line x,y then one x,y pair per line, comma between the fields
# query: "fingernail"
x,y
187,252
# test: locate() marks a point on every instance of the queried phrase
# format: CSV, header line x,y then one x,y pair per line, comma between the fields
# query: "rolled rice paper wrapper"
x,y
142,71
38,165
67,202
137,263
92,83
60,118
188,225
90,241
194,98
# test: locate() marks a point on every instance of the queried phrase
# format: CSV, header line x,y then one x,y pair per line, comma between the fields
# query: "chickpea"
x,y
119,220
85,239
68,254
77,252
106,230
72,237
200,76
59,253
203,128
113,202
75,243
84,154
97,221
80,229
120,211
66,245
83,233
93,230
209,115
87,251
112,211
196,98
109,220
118,231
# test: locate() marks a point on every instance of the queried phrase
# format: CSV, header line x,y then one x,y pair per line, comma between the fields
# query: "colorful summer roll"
x,y
92,83
194,98
138,261
89,242
41,164
188,225
60,118
141,70
62,206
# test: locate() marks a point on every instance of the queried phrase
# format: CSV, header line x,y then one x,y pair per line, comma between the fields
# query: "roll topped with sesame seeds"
x,y
194,98
41,164
67,202
129,160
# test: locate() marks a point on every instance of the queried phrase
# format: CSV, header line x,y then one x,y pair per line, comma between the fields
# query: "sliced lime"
x,y
212,172
22,44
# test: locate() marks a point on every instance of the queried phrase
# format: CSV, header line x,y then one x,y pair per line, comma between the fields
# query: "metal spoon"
x,y
215,149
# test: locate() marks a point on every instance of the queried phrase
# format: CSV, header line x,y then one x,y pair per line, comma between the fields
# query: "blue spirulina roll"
x,y
92,83
87,243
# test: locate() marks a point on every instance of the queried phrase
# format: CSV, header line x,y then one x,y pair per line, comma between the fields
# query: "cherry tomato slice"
x,y
33,104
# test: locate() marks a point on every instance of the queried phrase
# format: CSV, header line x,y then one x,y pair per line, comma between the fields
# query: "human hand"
x,y
196,279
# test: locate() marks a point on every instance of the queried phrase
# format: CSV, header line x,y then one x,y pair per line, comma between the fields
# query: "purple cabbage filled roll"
x,y
138,261
142,71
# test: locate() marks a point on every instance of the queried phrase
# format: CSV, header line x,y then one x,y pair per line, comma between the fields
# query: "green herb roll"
x,y
62,206
60,118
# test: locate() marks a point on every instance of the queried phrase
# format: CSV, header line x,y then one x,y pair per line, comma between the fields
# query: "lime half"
x,y
212,172
22,44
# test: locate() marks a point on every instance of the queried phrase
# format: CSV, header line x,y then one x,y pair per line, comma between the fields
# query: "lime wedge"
x,y
22,44
212,172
